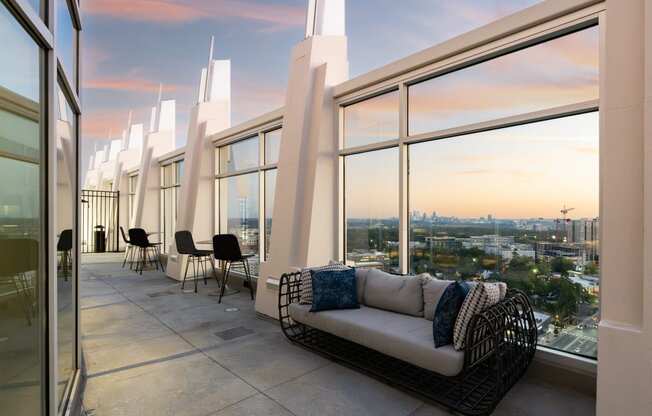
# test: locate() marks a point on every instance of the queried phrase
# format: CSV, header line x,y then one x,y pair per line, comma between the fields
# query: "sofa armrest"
x,y
289,292
505,333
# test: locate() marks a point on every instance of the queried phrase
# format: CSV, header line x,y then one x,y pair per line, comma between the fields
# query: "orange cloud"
x,y
179,11
128,84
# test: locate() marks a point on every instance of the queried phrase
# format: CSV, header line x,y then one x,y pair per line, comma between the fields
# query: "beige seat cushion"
x,y
402,294
400,336
432,291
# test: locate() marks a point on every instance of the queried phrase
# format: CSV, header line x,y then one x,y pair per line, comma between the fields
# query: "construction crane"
x,y
565,212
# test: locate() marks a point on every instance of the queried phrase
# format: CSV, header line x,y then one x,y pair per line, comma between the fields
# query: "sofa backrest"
x,y
401,294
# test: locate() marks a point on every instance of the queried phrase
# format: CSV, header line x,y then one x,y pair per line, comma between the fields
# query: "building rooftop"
x,y
151,348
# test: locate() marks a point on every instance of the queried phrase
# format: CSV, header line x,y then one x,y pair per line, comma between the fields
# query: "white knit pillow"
x,y
479,298
306,280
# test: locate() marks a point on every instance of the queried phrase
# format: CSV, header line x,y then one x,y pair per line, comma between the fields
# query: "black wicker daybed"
x,y
500,344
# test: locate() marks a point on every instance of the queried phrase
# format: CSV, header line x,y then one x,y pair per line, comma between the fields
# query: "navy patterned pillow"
x,y
449,305
334,289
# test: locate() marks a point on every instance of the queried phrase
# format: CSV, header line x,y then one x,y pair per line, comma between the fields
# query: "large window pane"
x,y
65,195
270,192
559,72
21,283
371,121
66,40
272,146
170,183
133,183
518,205
239,156
239,213
371,209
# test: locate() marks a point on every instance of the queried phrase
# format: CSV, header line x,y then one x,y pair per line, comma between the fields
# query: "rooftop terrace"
x,y
152,349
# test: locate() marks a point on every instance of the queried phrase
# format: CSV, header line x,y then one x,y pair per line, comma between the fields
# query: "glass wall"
x,y
516,200
22,280
246,179
170,184
371,209
66,274
131,195
371,121
67,41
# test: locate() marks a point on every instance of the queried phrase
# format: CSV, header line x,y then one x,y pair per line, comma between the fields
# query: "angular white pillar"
x,y
625,331
211,114
157,143
305,223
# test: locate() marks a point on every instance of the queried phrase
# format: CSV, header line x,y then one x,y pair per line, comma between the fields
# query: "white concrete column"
x,y
625,334
157,143
305,224
197,194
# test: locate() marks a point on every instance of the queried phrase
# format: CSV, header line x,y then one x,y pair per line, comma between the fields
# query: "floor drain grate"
x,y
233,333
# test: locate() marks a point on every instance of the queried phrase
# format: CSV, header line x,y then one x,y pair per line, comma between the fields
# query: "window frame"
x,y
540,33
259,132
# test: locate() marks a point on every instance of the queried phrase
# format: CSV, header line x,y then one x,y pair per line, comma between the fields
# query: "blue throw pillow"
x,y
449,305
334,289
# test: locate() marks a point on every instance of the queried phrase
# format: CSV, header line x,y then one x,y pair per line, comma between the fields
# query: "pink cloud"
x,y
130,84
180,11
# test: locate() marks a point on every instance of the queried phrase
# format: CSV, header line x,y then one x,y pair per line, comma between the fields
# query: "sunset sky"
x,y
129,46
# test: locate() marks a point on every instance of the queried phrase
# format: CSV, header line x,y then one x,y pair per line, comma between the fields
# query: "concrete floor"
x,y
151,349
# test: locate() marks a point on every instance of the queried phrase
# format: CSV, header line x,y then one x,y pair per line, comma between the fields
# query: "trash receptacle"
x,y
100,239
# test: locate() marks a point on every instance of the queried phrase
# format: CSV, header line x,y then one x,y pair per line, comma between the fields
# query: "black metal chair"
x,y
226,249
186,246
19,267
129,250
64,248
140,241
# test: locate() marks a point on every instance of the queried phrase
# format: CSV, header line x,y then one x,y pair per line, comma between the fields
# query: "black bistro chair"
x,y
64,248
186,246
226,250
138,239
129,250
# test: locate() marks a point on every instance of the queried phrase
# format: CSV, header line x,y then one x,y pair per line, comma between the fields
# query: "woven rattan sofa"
x,y
399,350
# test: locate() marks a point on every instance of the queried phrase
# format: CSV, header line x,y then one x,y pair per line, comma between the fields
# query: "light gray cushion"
x,y
361,279
432,291
400,336
402,294
306,279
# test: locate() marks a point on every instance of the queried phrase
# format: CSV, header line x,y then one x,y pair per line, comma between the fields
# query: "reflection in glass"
x,y
66,40
239,156
20,235
558,72
272,146
170,184
65,195
371,121
239,213
270,191
371,209
133,183
518,205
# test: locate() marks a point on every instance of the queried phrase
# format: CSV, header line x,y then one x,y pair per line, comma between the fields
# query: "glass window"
x,y
239,213
66,199
20,223
555,73
239,156
133,183
272,146
372,121
170,183
518,205
66,41
371,209
270,191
